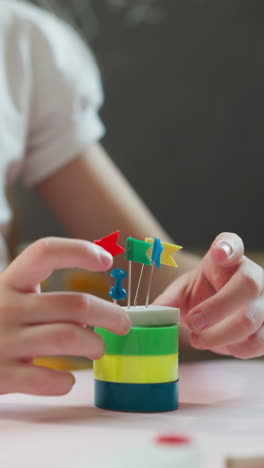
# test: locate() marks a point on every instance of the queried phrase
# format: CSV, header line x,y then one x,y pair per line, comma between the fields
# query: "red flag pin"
x,y
109,243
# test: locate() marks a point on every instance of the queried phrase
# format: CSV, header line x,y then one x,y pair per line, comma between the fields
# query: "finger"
x,y
252,347
222,259
224,350
44,256
233,329
175,294
169,296
55,340
34,380
227,249
244,286
82,309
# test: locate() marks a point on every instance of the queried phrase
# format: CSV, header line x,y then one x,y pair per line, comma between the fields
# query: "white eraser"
x,y
166,457
153,315
168,452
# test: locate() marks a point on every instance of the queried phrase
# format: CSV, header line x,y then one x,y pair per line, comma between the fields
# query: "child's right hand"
x,y
34,324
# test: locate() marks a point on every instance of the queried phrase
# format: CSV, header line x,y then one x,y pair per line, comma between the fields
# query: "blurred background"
x,y
184,100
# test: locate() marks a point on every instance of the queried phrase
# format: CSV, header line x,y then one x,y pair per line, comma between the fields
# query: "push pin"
x,y
117,292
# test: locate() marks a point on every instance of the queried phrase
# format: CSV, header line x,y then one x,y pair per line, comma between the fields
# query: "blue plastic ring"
x,y
137,398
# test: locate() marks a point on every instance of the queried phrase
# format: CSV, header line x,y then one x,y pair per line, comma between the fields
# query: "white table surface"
x,y
221,407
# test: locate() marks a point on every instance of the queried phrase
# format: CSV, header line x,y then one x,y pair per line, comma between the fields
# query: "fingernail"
x,y
226,247
125,323
198,321
104,256
68,381
95,357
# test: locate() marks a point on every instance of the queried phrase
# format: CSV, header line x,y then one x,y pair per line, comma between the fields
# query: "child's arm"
x,y
92,199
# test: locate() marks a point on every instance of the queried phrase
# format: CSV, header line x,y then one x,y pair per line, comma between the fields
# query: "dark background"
x,y
184,115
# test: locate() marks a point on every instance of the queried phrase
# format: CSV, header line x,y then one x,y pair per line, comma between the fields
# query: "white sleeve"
x,y
66,96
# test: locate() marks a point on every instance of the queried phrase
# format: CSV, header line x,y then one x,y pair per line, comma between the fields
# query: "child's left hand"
x,y
222,300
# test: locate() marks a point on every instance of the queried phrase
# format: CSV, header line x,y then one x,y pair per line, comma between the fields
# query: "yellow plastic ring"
x,y
137,369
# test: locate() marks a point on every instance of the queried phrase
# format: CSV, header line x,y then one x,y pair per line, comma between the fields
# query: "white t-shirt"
x,y
50,93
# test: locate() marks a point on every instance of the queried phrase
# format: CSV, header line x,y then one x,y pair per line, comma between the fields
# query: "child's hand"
x,y
222,300
34,324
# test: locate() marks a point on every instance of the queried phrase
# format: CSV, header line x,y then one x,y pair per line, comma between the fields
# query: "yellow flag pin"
x,y
166,255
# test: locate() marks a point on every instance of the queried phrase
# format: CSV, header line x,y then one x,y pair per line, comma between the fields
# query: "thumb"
x,y
174,294
222,259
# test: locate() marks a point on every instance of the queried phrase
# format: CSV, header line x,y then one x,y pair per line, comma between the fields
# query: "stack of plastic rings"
x,y
139,371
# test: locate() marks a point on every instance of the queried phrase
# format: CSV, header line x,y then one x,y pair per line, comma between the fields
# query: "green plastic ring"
x,y
142,341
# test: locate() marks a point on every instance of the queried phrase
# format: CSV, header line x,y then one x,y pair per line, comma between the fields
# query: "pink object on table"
x,y
172,439
221,409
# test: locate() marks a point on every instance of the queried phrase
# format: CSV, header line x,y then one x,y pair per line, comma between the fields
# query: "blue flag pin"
x,y
155,257
156,252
